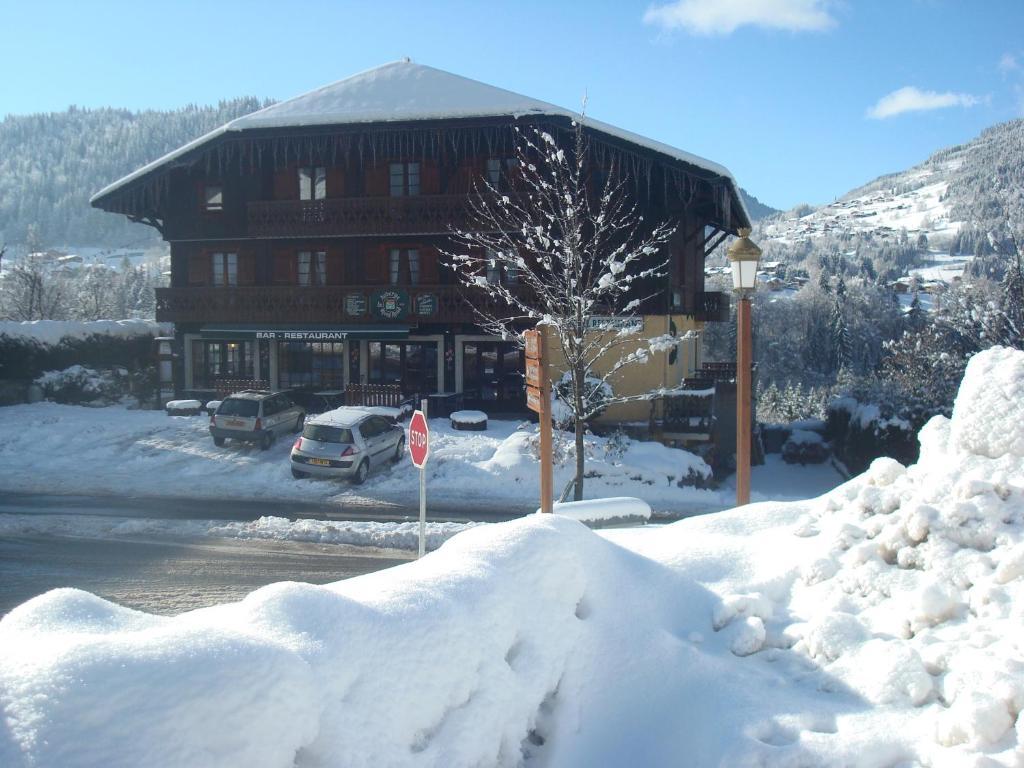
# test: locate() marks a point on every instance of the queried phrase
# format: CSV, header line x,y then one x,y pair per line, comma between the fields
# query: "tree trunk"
x,y
578,492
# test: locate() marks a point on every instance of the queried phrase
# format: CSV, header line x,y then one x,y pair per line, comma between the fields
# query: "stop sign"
x,y
419,439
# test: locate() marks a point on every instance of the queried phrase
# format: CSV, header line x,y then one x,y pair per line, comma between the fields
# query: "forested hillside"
x,y
50,164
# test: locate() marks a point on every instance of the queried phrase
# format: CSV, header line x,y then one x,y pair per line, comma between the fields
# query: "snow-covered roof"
x,y
403,91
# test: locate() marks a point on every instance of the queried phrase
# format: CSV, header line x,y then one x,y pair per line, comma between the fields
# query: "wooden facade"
x,y
341,227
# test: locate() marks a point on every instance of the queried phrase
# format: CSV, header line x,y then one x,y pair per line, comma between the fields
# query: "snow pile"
x,y
611,510
879,625
53,332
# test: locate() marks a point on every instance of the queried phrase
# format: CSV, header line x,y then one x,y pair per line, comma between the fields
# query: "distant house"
x,y
306,238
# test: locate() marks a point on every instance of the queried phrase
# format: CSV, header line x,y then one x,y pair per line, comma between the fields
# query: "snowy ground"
x,y
879,625
50,448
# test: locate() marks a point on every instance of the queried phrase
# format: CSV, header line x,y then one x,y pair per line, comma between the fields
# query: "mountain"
x,y
963,201
756,208
51,163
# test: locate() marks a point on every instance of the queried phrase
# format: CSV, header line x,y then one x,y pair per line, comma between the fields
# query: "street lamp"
x,y
744,256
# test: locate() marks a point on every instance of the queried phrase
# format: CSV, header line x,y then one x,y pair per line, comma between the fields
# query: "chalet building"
x,y
306,237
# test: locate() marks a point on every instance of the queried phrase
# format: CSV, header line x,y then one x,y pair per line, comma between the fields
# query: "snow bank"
x,y
53,332
879,625
614,509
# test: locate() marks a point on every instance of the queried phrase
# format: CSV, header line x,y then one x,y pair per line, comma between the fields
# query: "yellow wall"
x,y
637,378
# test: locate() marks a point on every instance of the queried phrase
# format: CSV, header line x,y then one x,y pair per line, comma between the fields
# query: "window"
x,y
411,364
225,269
311,364
312,268
216,360
495,269
405,179
498,170
312,183
213,197
404,266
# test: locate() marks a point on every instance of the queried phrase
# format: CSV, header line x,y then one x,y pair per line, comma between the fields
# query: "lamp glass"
x,y
744,274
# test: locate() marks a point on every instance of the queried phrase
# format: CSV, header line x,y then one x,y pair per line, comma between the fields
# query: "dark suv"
x,y
255,416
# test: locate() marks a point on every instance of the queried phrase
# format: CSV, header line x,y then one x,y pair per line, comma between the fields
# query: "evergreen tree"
x,y
841,346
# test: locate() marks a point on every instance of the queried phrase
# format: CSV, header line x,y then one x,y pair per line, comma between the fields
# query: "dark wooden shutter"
x,y
246,269
377,180
430,178
428,266
377,264
284,267
335,266
199,269
286,184
335,181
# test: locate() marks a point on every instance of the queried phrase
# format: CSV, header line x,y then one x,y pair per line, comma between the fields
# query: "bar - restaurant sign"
x,y
303,335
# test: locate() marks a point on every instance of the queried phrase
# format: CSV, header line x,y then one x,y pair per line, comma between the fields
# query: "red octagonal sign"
x,y
419,439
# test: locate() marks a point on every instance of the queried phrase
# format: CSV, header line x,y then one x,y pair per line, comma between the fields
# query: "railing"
x,y
711,306
342,304
689,409
388,395
412,215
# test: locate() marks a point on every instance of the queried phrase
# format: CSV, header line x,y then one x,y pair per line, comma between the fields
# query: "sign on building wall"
x,y
426,304
631,324
355,304
390,304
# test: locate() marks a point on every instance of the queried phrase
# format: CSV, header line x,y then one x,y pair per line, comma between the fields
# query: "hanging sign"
x,y
533,399
532,372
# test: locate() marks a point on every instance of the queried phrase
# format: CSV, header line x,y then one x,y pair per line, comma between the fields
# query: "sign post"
x,y
419,450
538,399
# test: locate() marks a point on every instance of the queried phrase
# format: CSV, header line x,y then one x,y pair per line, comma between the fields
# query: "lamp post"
x,y
744,256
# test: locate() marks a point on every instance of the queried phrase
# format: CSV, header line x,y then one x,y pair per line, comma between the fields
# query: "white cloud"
x,y
1008,63
911,99
722,17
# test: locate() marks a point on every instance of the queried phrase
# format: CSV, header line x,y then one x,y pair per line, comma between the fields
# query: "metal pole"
x,y
546,480
744,363
423,496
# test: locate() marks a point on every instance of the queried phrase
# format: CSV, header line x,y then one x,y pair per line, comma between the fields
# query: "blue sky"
x,y
789,94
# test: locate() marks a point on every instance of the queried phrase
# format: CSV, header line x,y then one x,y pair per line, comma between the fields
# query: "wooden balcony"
x,y
414,215
336,305
711,306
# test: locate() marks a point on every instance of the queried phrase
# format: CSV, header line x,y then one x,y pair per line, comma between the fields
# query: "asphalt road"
x,y
169,575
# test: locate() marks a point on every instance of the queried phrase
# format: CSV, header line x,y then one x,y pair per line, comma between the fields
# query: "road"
x,y
169,575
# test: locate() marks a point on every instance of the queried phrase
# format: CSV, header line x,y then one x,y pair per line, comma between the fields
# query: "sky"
x,y
802,100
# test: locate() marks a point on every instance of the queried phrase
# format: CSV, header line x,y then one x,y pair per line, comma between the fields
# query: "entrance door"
x,y
492,376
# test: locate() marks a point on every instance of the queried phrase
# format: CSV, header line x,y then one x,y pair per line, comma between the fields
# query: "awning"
x,y
305,332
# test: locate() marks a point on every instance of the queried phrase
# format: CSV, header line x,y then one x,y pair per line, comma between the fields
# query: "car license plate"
x,y
320,462
235,423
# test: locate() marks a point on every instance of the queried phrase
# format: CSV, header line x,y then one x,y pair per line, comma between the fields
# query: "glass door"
x,y
492,376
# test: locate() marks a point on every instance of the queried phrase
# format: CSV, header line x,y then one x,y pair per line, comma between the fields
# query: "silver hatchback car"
x,y
255,416
346,442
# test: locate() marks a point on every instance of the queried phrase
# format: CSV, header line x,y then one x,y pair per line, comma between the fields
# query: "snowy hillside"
x,y
914,201
955,199
879,625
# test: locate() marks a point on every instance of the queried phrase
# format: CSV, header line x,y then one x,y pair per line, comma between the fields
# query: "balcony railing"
x,y
337,305
711,307
413,215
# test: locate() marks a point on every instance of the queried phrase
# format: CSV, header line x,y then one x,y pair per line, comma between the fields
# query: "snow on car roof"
x,y
405,91
347,416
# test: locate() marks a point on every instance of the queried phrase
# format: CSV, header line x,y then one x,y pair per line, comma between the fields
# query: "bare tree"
x,y
561,243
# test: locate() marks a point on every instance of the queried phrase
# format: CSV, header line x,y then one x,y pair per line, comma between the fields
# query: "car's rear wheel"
x,y
299,475
361,472
399,450
266,441
218,441
299,422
